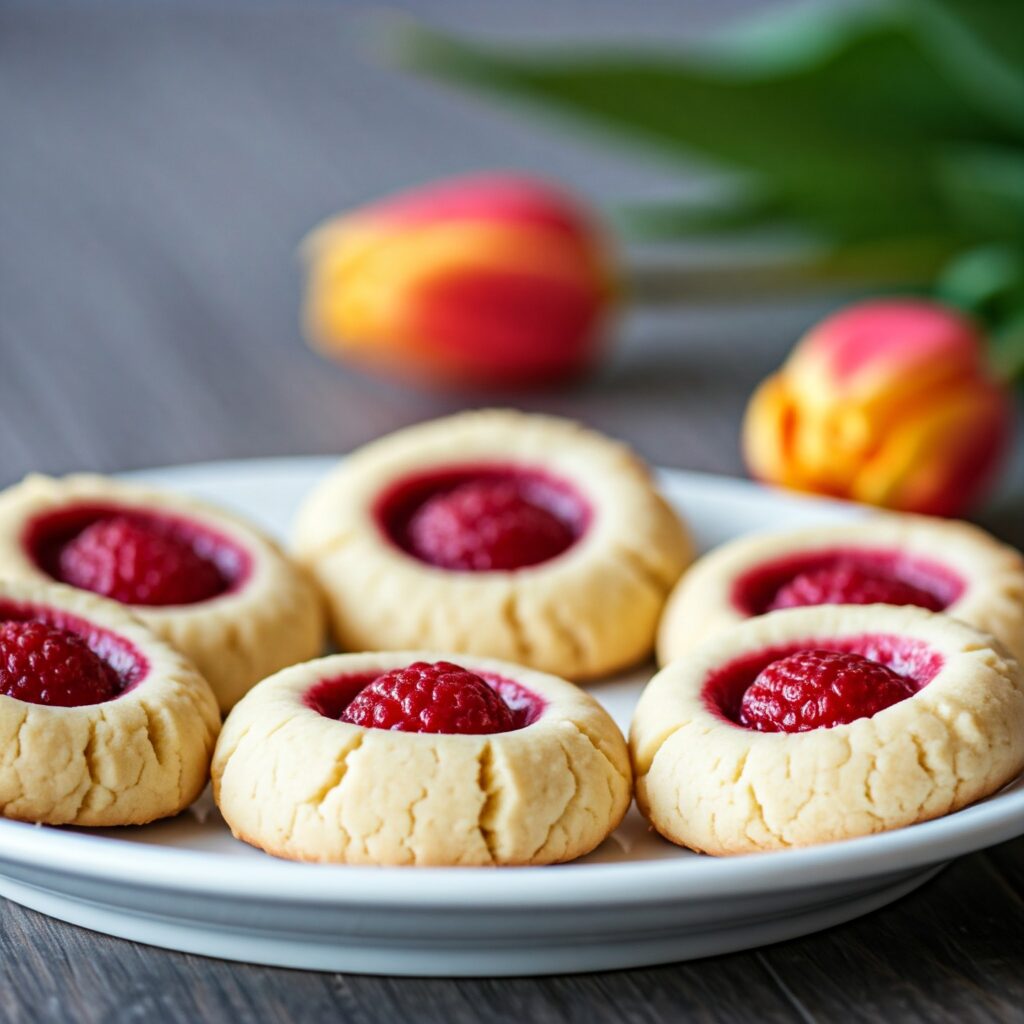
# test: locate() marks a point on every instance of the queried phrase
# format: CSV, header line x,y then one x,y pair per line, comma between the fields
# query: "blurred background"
x,y
162,162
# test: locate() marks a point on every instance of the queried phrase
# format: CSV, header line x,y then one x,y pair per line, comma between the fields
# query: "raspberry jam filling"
x,y
50,657
135,557
483,518
423,697
846,576
820,683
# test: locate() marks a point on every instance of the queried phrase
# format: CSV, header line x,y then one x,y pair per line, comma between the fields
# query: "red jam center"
x,y
429,698
135,557
50,657
820,683
846,576
483,518
819,689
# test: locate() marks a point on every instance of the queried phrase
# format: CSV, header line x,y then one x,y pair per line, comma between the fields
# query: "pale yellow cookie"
x,y
589,611
305,786
974,578
142,755
269,615
710,784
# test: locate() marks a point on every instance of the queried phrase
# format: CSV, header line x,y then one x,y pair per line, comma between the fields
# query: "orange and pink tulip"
x,y
491,280
887,402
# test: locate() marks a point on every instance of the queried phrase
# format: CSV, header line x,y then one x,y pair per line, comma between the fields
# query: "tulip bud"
x,y
491,280
886,402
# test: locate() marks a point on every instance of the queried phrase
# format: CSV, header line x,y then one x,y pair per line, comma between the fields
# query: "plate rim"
x,y
98,858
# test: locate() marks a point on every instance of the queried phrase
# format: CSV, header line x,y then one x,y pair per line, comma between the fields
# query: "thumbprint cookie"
x,y
496,534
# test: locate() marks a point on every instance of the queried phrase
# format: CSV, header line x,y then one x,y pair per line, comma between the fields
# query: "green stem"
x,y
666,282
1008,351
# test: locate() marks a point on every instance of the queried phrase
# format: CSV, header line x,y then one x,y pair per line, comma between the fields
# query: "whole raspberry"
x,y
817,689
137,562
45,665
849,584
424,697
485,526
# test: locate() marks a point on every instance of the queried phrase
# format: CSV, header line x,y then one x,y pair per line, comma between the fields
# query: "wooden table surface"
x,y
157,168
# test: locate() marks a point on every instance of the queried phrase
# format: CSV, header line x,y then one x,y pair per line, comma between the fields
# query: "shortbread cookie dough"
x,y
500,534
101,722
954,735
204,580
290,776
942,565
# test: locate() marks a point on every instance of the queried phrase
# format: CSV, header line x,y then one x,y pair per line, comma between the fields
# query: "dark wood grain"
x,y
949,953
158,165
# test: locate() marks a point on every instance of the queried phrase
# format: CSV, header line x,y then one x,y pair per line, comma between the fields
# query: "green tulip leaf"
x,y
984,187
847,131
985,38
987,282
684,219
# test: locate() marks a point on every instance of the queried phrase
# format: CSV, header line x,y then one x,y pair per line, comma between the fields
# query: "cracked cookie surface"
x,y
587,612
139,756
305,786
710,784
269,617
975,578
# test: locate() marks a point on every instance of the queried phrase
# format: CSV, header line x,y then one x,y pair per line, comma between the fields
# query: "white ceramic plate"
x,y
187,884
